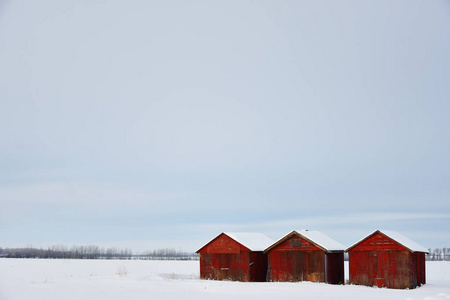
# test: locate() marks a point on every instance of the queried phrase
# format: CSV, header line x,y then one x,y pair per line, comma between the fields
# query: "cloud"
x,y
199,127
323,221
243,125
81,194
73,202
346,229
342,227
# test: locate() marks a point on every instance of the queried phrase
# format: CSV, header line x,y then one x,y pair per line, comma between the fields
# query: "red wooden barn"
x,y
306,256
387,259
235,256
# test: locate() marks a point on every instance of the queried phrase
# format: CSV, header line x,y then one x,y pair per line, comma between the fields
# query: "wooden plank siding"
x,y
298,259
380,261
226,259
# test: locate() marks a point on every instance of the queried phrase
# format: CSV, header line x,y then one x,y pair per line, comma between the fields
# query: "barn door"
x,y
296,266
374,276
377,262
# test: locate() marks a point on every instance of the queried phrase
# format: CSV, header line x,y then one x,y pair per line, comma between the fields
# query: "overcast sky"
x,y
148,124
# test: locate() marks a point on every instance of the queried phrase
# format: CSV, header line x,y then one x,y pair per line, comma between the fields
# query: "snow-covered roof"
x,y
253,241
316,237
399,238
322,240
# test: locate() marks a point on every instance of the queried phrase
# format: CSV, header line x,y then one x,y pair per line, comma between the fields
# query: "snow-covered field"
x,y
113,279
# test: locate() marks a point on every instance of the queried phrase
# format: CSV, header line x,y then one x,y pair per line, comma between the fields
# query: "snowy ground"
x,y
102,279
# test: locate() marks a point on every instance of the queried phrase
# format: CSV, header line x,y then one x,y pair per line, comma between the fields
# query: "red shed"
x,y
387,259
235,256
306,256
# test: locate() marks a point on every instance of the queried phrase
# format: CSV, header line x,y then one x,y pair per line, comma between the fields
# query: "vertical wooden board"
x,y
420,263
373,277
383,269
398,270
412,271
297,261
352,264
297,266
204,263
224,266
225,259
278,266
315,270
360,268
272,271
381,261
390,269
400,266
238,267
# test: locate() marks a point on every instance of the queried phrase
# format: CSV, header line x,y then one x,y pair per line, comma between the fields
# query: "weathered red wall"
x,y
296,259
225,259
380,261
420,258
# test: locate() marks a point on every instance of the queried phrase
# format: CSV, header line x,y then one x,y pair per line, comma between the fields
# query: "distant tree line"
x,y
168,254
61,251
439,254
94,252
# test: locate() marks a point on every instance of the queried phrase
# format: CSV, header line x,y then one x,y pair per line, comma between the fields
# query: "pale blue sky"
x,y
149,124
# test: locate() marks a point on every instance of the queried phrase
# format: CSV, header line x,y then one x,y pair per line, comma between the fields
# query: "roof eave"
x,y
295,232
379,231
